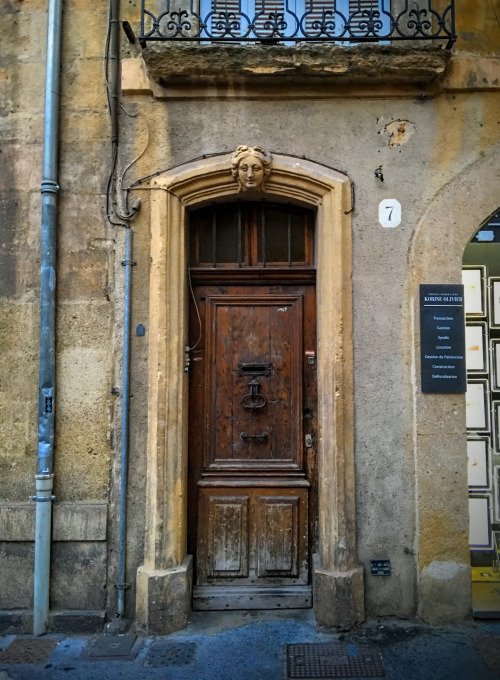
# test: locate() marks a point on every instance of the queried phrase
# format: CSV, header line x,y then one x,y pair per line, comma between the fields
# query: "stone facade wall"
x,y
85,286
423,137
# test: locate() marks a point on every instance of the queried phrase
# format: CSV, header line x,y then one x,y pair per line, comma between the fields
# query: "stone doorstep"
x,y
20,621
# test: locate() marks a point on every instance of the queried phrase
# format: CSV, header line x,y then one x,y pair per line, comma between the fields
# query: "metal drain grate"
x,y
28,651
113,646
489,646
318,661
167,653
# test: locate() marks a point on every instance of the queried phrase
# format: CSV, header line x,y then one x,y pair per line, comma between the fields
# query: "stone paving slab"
x,y
489,646
34,650
239,647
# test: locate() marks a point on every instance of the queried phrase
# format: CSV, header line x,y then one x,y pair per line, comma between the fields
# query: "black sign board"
x,y
442,338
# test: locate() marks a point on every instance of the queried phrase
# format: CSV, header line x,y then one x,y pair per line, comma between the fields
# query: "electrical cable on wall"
x,y
113,187
136,183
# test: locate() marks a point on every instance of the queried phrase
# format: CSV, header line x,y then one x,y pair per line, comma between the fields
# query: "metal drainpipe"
x,y
121,585
120,623
47,364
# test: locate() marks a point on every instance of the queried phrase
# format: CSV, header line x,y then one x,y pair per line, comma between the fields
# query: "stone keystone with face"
x,y
250,167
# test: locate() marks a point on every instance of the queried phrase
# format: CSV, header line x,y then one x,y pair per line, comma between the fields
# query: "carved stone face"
x,y
250,172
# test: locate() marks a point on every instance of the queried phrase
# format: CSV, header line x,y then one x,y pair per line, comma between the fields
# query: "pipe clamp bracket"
x,y
48,186
43,499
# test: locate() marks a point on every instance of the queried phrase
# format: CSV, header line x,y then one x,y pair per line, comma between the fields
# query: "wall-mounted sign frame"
x,y
494,301
478,463
474,278
495,425
480,537
477,408
495,364
476,347
442,338
496,488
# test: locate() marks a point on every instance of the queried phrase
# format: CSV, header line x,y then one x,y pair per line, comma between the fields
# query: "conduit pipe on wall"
x,y
121,584
47,363
113,72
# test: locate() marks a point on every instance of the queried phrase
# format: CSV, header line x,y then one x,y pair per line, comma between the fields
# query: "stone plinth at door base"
x,y
444,592
164,598
338,597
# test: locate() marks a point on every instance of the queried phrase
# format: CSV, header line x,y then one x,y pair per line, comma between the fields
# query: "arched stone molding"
x,y
164,580
439,435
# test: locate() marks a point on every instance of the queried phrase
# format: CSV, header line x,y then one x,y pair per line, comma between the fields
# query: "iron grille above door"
x,y
251,234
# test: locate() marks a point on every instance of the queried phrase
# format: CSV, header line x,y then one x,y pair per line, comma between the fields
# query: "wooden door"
x,y
252,489
251,393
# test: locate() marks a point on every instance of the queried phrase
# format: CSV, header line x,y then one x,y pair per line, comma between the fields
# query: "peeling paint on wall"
x,y
399,132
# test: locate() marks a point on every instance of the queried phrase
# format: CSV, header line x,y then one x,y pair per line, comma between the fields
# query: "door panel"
x,y
252,536
253,421
224,537
252,388
278,538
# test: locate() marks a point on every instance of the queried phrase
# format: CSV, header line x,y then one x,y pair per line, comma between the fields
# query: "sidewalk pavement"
x,y
252,646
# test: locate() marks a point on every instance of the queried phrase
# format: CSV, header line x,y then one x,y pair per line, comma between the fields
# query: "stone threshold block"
x,y
338,596
164,598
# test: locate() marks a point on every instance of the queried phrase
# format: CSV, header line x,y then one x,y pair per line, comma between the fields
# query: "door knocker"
x,y
254,399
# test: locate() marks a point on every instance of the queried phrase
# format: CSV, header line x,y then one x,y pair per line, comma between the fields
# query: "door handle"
x,y
308,440
259,438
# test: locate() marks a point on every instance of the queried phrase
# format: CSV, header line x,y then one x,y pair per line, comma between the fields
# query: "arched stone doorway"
x,y
438,437
481,278
164,580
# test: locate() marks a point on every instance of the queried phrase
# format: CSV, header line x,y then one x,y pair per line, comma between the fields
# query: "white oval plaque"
x,y
389,213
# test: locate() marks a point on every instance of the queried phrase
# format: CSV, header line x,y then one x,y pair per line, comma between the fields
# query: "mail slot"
x,y
255,368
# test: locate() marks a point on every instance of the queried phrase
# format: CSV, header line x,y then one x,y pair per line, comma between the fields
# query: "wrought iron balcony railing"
x,y
291,21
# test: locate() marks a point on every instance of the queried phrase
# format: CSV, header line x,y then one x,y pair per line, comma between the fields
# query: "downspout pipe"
x,y
120,624
47,365
121,585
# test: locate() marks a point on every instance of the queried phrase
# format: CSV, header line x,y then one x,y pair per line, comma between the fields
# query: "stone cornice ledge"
x,y
175,63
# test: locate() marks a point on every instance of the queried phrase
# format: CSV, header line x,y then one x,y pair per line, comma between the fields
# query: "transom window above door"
x,y
251,234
